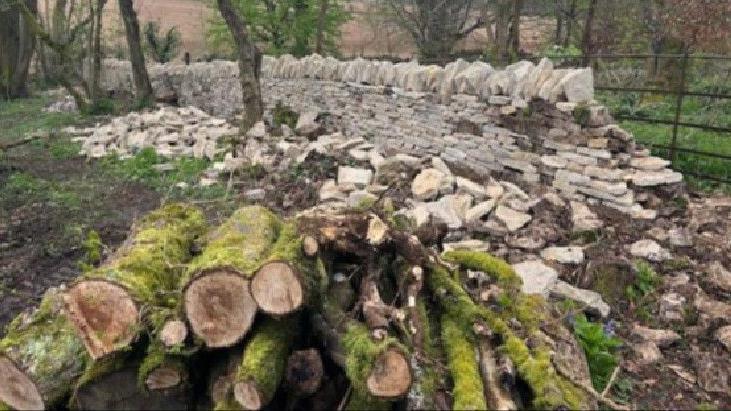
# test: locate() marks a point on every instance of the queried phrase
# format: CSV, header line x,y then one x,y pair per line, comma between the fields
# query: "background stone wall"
x,y
528,123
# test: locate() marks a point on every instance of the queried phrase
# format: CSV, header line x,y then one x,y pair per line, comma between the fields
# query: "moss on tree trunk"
x,y
41,357
263,363
217,299
106,303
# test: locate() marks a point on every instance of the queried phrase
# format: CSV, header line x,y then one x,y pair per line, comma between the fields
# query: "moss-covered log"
x,y
289,278
377,368
550,390
105,304
461,352
165,364
217,299
41,357
263,363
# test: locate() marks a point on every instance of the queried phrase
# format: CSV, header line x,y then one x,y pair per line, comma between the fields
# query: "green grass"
x,y
699,110
21,116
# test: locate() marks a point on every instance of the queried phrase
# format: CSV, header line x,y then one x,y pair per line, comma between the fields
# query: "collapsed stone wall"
x,y
527,123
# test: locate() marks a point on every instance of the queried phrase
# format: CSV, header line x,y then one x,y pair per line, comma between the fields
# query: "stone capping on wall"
x,y
521,81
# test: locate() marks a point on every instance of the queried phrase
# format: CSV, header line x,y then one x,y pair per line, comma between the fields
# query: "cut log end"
x,y
277,288
304,371
173,333
16,389
391,375
104,314
310,246
219,307
163,378
247,395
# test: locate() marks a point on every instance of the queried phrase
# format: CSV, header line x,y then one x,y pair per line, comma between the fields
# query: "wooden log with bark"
x,y
217,300
107,304
41,357
352,314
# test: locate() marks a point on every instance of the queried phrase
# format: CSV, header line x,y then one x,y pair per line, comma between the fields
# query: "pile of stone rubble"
x,y
171,131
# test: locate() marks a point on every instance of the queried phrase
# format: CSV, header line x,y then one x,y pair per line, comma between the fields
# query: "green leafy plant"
x,y
646,279
284,115
162,48
92,246
599,346
282,26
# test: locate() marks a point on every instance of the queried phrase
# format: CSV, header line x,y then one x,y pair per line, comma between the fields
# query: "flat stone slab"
x,y
564,255
537,277
513,220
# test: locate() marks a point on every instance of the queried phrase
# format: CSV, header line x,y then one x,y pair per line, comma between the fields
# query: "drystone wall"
x,y
529,123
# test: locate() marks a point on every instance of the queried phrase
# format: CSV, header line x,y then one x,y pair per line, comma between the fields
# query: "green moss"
x,y
498,269
458,304
92,246
551,391
427,379
360,402
241,242
148,266
103,366
461,351
265,355
288,247
534,366
361,353
586,236
47,346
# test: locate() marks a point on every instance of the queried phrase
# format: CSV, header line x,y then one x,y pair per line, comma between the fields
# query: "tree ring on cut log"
x,y
247,395
163,377
173,333
219,307
16,389
277,288
104,314
391,375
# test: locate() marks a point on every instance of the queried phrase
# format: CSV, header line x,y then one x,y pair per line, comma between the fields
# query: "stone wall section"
x,y
528,123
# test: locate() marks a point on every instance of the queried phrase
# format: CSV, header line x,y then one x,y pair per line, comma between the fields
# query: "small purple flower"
x,y
609,328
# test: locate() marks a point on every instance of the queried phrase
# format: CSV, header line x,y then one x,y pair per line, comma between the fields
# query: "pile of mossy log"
x,y
326,310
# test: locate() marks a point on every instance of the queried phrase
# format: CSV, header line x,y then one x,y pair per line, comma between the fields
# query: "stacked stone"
x,y
171,131
528,123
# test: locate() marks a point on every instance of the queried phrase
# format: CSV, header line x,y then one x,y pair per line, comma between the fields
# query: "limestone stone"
x,y
583,218
650,250
649,163
719,276
537,277
590,299
723,335
655,178
513,220
359,176
469,245
426,184
564,255
662,338
470,187
482,209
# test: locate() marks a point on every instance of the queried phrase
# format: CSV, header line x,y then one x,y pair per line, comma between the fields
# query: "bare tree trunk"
x,y
139,71
321,26
17,44
586,41
569,23
559,22
97,51
502,30
515,41
249,65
